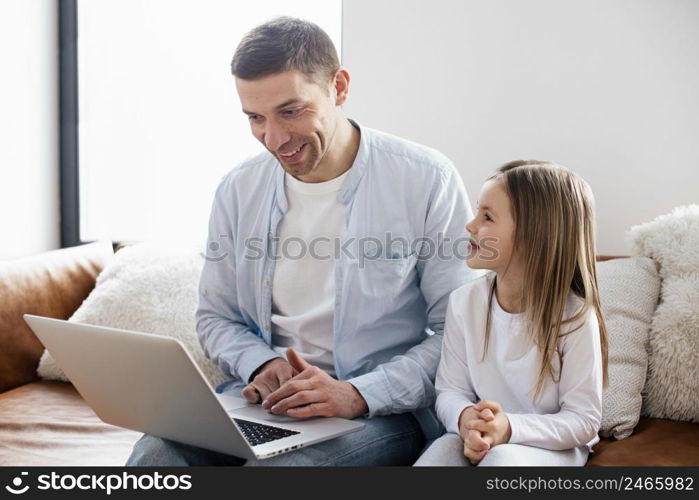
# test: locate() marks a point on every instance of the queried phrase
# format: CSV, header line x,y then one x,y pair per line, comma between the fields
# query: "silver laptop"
x,y
149,383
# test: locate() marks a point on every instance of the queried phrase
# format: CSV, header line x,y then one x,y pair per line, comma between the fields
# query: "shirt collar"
x,y
358,167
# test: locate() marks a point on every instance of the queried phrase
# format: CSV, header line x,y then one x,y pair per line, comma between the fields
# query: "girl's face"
x,y
492,230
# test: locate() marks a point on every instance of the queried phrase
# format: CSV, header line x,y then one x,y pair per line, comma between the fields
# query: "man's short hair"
x,y
283,44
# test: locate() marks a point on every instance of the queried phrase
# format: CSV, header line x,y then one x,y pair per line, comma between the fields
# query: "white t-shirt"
x,y
567,414
303,287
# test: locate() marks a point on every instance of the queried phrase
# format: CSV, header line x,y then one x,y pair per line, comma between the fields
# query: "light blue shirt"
x,y
401,255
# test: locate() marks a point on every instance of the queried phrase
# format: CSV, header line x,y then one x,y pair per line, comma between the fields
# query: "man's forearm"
x,y
234,348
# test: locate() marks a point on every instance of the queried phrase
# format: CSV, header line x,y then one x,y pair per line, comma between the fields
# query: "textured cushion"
x,y
48,424
629,291
147,288
49,284
672,384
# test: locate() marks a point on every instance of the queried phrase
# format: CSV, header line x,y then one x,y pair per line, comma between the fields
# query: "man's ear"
x,y
341,83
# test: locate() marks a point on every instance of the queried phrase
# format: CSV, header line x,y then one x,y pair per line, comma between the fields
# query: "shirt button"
x,y
203,292
266,283
266,326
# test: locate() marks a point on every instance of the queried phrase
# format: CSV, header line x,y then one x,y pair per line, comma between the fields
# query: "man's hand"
x,y
476,445
271,376
314,393
495,430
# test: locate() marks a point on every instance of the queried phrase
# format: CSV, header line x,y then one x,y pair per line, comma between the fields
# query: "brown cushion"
x,y
655,442
48,423
50,284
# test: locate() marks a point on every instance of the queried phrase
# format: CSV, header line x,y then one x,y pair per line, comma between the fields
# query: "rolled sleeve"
x,y
228,338
254,357
374,388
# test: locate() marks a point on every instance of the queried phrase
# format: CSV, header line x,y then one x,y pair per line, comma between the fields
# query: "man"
x,y
348,320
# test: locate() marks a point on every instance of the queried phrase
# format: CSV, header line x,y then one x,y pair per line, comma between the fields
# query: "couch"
x,y
47,423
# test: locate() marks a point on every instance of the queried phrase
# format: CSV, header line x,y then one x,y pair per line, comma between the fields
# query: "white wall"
x,y
29,218
606,87
609,88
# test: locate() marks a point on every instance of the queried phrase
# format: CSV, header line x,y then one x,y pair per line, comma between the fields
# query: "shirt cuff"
x,y
374,388
518,432
452,409
252,359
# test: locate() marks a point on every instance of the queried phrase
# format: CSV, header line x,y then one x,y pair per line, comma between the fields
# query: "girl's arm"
x,y
453,383
580,397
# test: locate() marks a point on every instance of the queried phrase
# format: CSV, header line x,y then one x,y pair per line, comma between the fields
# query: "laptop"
x,y
149,383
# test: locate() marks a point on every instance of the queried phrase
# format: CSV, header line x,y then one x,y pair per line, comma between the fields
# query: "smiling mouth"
x,y
292,154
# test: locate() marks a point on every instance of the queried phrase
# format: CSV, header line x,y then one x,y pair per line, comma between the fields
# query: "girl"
x,y
524,356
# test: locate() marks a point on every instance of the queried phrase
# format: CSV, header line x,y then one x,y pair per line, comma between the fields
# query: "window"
x,y
159,118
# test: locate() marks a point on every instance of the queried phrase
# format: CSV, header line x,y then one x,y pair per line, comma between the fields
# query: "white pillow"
x,y
146,288
672,386
629,291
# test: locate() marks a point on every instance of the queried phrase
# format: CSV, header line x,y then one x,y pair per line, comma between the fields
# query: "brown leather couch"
x,y
48,423
45,422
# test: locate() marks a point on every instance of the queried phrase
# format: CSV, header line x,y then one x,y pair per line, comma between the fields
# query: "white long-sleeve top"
x,y
567,414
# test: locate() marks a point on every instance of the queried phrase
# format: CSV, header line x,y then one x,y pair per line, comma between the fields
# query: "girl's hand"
x,y
496,430
471,450
476,446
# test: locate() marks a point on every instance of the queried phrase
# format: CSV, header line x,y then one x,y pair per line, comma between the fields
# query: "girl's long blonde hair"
x,y
553,212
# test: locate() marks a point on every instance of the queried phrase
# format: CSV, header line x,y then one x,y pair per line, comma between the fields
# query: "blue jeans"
x,y
387,440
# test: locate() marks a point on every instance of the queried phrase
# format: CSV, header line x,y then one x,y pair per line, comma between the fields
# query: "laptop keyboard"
x,y
260,433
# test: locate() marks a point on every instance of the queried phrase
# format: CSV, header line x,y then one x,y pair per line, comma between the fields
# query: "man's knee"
x,y
155,451
152,451
149,451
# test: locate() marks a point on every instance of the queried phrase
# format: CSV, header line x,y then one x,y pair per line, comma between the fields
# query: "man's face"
x,y
295,119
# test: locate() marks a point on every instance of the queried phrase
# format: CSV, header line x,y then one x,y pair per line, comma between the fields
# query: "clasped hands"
x,y
298,389
483,426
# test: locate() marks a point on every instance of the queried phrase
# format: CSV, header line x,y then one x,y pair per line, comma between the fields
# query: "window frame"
x,y
69,197
69,118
